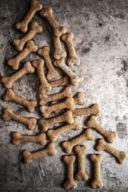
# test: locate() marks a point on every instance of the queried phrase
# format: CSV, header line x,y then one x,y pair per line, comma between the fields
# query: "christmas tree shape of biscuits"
x,y
58,111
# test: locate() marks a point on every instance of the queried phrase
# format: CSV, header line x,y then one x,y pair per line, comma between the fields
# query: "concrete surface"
x,y
101,38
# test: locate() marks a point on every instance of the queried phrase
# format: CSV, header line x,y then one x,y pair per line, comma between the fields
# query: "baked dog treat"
x,y
52,72
30,48
49,15
57,30
87,134
67,104
35,28
8,81
120,156
45,124
59,52
60,63
53,134
70,182
9,114
91,110
10,95
96,160
80,151
66,93
108,135
60,83
72,59
34,8
44,84
18,138
79,98
64,82
50,150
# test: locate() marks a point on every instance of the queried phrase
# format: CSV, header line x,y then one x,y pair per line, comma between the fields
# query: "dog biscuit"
x,y
35,28
79,98
70,182
52,72
96,160
67,104
34,8
53,134
91,110
64,82
8,81
54,97
120,156
30,48
59,52
57,28
9,114
45,124
18,138
72,56
108,135
10,95
87,134
80,151
50,150
60,63
44,84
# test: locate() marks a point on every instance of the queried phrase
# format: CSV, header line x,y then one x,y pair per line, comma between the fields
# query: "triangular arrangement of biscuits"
x,y
58,108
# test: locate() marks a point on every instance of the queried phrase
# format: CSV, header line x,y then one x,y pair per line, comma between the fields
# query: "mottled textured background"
x,y
101,39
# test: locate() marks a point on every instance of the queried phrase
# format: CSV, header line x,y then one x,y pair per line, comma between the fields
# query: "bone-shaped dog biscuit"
x,y
57,83
70,182
34,8
96,160
50,150
57,96
79,98
52,72
53,134
60,82
67,104
18,138
39,65
59,52
64,82
30,48
45,124
8,81
9,114
11,96
72,56
80,151
104,146
60,63
108,135
86,135
35,28
48,14
91,110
